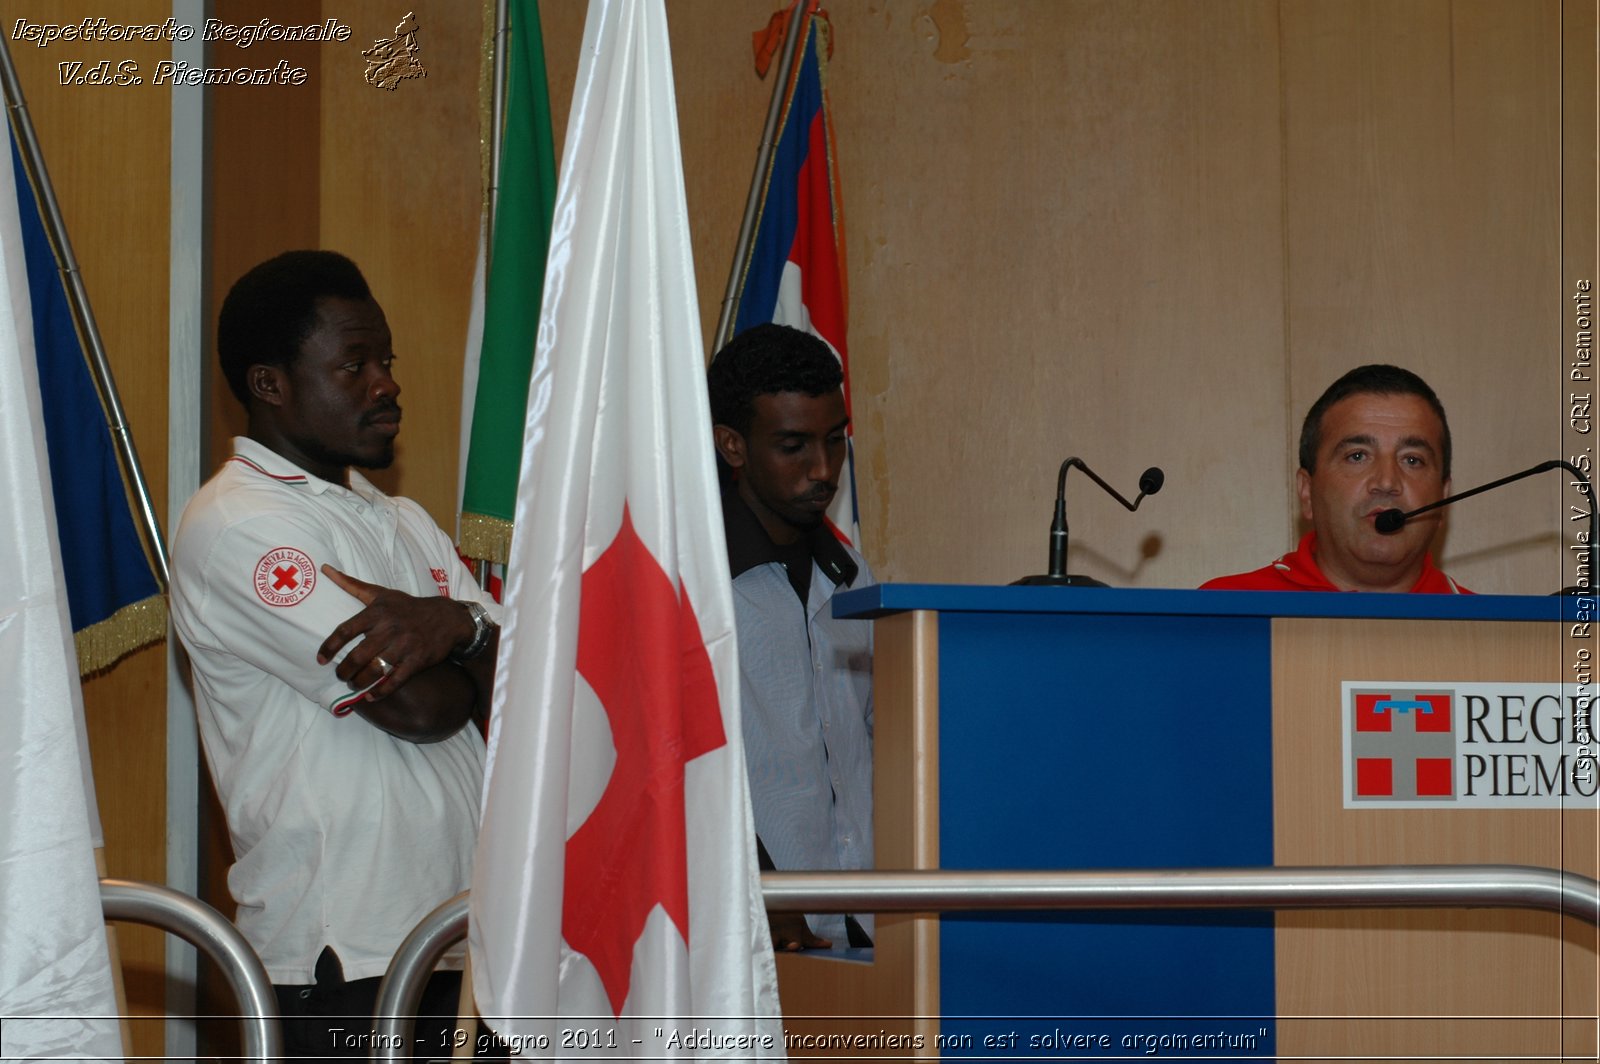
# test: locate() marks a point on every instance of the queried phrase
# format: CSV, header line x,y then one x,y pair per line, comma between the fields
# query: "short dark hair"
x,y
767,360
1375,379
271,310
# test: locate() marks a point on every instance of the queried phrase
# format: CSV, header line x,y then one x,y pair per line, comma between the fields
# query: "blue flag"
x,y
113,594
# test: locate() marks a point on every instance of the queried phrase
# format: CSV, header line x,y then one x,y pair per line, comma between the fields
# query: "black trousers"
x,y
331,1019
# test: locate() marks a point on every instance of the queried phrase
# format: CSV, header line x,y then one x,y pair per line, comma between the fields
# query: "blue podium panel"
x,y
1098,742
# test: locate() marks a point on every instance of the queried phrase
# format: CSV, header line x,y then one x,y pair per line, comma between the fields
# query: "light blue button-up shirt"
x,y
806,704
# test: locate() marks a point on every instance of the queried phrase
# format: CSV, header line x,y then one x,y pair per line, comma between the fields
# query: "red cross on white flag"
x,y
615,878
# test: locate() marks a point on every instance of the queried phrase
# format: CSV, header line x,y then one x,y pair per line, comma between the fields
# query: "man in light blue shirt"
x,y
805,677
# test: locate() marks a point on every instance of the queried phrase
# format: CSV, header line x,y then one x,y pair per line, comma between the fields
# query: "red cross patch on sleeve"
x,y
284,576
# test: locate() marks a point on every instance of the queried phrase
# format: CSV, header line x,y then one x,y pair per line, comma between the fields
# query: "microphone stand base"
x,y
1068,580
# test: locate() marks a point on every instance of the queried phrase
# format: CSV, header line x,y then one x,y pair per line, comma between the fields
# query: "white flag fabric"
x,y
616,905
56,996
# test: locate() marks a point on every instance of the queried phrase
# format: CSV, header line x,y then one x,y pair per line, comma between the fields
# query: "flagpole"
x,y
100,368
791,48
497,119
482,567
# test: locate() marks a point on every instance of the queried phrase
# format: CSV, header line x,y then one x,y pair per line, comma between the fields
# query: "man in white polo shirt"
x,y
340,651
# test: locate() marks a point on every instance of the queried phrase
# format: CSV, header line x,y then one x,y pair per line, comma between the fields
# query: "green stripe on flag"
x,y
523,209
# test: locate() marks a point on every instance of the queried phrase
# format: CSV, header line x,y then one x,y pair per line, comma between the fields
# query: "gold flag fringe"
x,y
485,537
136,625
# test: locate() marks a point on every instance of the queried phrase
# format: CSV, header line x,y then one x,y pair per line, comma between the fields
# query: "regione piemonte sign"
x,y
1409,744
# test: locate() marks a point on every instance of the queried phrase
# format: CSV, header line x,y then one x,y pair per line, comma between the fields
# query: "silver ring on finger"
x,y
384,665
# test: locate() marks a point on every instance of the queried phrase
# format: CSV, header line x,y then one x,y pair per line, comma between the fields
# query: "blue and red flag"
x,y
794,272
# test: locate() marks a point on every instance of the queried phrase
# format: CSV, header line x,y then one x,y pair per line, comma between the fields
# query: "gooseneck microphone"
x,y
1150,482
1392,521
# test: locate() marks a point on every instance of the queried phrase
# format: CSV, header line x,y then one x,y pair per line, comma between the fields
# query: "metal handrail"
x,y
401,990
207,930
942,890
1360,887
400,993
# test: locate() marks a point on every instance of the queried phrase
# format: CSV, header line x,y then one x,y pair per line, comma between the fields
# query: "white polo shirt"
x,y
344,835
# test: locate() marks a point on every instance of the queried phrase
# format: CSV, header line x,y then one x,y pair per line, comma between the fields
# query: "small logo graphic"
x,y
284,576
391,61
442,579
1472,744
1402,745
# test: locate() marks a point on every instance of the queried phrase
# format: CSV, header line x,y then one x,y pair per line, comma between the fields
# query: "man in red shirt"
x,y
1376,440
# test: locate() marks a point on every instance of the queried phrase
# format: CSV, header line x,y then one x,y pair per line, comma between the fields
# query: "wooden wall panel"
x,y
400,179
1423,228
389,177
263,182
1064,240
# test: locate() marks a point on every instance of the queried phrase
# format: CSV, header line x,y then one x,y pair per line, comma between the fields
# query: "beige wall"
x,y
1138,231
1152,233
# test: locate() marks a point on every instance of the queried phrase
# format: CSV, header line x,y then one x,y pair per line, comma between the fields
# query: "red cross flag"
x,y
615,891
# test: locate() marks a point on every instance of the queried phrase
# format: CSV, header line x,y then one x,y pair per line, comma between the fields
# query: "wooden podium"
x,y
1059,728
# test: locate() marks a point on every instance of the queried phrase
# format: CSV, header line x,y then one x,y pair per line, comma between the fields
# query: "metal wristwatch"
x,y
482,628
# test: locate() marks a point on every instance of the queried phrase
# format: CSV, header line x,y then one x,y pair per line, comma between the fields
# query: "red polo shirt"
x,y
1298,572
